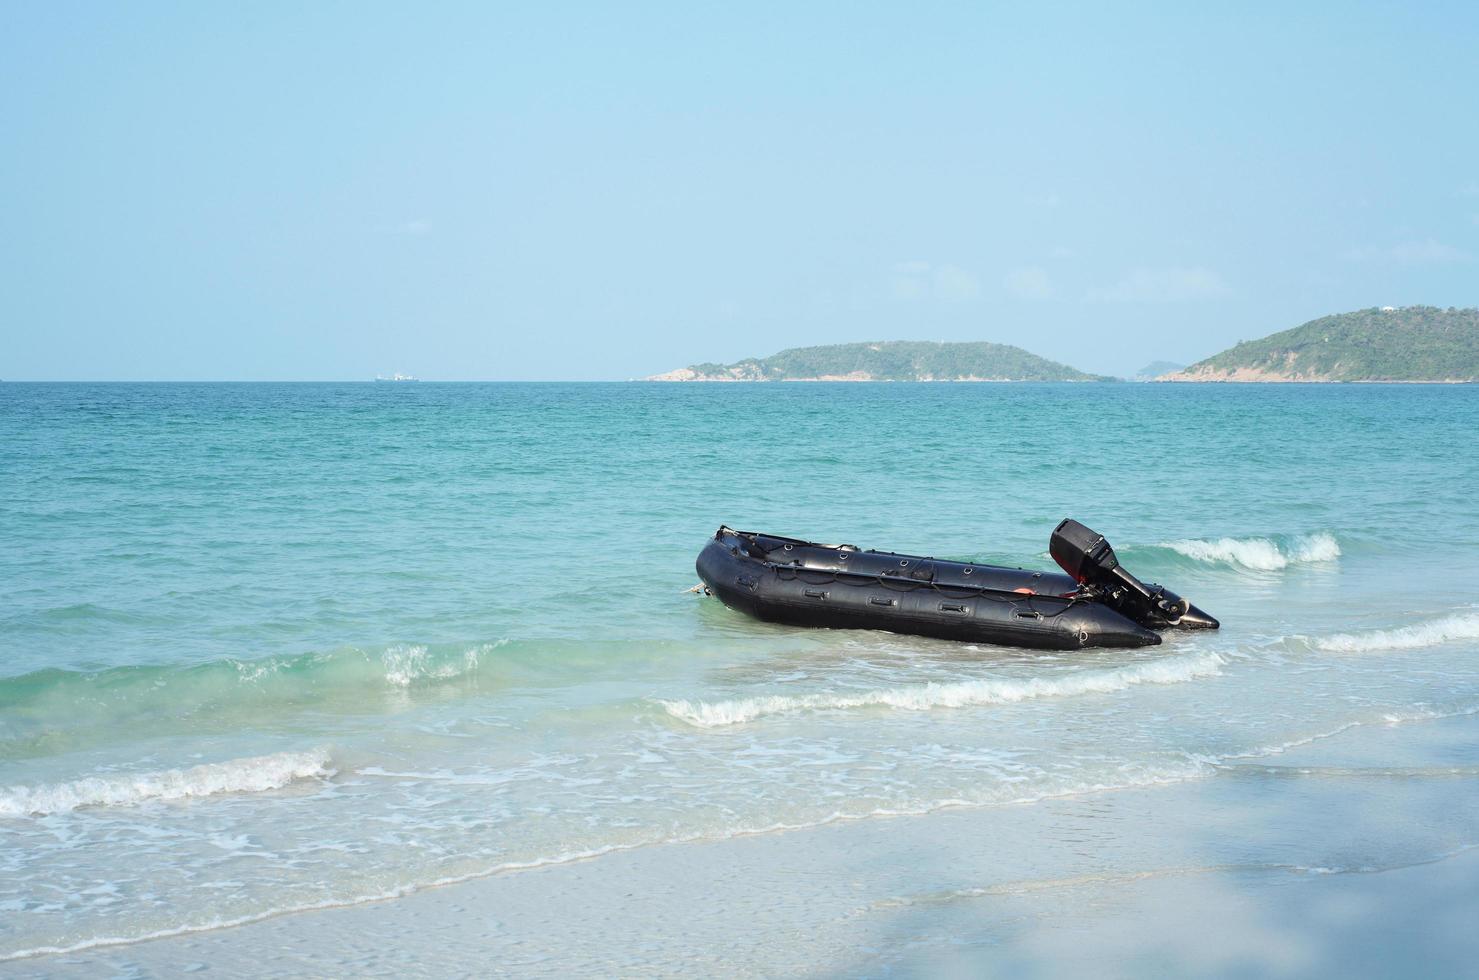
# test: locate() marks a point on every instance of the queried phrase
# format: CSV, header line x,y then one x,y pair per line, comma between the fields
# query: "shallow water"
x,y
287,646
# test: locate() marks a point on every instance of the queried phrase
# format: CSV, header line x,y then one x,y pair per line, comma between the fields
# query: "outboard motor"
x,y
1085,555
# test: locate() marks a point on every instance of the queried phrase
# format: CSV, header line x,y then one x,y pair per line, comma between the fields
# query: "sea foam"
x,y
923,697
407,665
1461,626
250,775
1260,554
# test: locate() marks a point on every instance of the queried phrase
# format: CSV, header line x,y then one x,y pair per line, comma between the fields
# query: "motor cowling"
x,y
1084,554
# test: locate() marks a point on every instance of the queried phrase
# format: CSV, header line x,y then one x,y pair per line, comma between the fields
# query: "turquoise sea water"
x,y
272,647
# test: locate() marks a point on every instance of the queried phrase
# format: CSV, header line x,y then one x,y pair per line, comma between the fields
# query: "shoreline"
x,y
850,379
1122,882
1066,381
1274,380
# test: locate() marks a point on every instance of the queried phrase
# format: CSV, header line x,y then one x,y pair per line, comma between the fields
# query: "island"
x,y
894,360
1155,369
1406,344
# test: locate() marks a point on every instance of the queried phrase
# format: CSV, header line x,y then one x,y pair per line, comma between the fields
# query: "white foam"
x,y
1127,778
1260,554
1190,767
1463,626
251,775
1314,548
408,665
1173,670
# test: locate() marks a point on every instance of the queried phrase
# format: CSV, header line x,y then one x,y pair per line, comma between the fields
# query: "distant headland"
x,y
897,360
1155,369
1411,343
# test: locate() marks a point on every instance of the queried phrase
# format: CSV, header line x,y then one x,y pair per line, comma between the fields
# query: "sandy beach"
x,y
1347,856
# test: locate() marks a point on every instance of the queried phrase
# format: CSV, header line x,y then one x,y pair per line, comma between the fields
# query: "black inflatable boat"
x,y
1096,603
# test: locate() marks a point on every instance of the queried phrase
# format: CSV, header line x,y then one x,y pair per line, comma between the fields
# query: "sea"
x,y
279,647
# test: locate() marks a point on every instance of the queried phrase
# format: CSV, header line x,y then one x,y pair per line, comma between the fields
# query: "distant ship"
x,y
397,377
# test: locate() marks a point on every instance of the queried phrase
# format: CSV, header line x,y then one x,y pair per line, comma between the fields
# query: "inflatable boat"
x,y
1093,602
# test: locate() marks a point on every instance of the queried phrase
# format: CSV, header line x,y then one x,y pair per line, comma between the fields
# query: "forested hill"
x,y
1413,343
900,360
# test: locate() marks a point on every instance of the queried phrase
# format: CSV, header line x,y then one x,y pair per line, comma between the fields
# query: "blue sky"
x,y
567,191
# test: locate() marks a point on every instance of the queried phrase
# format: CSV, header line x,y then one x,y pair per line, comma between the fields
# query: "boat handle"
x,y
881,601
957,607
816,594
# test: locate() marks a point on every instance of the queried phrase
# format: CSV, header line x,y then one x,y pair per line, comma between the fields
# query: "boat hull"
x,y
784,580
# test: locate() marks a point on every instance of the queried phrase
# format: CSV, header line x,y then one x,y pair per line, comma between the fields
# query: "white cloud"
x,y
1471,189
922,280
1029,282
1164,285
1425,252
1048,200
416,227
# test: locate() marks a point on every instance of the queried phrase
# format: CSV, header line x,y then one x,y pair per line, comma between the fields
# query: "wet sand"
x,y
1346,857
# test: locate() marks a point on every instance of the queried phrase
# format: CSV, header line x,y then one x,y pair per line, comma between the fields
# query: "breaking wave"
x,y
717,714
251,775
37,707
1462,626
1260,554
407,665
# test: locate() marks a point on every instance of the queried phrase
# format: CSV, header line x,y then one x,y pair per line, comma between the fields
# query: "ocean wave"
x,y
1173,670
50,701
408,665
1460,626
250,775
1260,554
400,665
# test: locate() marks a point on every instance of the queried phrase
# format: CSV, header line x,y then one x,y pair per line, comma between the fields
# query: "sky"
x,y
560,191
